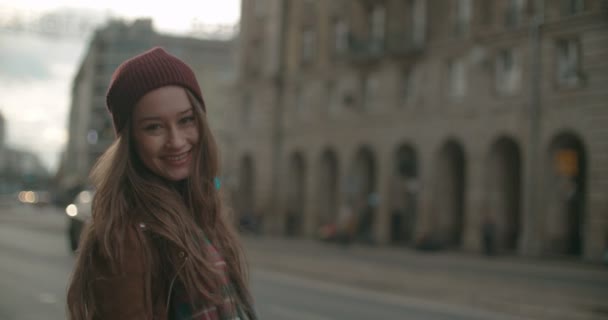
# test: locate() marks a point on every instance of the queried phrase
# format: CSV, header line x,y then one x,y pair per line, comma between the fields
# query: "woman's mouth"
x,y
178,159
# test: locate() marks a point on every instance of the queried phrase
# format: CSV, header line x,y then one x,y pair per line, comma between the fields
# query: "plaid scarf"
x,y
182,309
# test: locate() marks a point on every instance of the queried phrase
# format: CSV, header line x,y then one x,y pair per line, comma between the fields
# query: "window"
x,y
418,16
247,109
568,62
406,88
340,37
486,11
99,66
370,86
463,18
299,100
377,27
456,78
308,46
332,98
513,14
572,7
507,72
259,7
100,91
252,64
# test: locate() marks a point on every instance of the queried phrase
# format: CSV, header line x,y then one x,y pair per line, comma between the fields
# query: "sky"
x,y
36,71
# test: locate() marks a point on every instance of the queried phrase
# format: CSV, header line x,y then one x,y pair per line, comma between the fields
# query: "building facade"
x,y
429,118
19,169
90,126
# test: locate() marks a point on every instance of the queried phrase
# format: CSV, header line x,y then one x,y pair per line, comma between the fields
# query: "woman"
x,y
159,245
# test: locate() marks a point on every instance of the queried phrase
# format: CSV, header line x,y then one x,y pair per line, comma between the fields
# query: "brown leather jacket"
x,y
120,294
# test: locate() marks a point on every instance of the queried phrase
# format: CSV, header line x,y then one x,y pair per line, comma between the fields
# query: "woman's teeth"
x,y
177,158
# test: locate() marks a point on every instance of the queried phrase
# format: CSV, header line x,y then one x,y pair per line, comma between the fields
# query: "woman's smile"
x,y
178,160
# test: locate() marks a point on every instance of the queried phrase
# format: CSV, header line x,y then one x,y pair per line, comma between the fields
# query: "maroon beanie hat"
x,y
141,74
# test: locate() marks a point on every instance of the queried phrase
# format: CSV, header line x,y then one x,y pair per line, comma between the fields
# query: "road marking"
x,y
47,298
292,314
383,297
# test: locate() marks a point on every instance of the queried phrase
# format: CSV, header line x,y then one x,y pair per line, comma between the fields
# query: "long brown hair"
x,y
179,217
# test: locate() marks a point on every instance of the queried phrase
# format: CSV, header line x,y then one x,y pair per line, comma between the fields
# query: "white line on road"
x,y
292,314
383,297
47,298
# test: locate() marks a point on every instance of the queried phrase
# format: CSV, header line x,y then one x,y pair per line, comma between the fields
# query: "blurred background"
x,y
385,159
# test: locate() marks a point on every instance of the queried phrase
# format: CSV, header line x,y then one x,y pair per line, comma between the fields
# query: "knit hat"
x,y
141,74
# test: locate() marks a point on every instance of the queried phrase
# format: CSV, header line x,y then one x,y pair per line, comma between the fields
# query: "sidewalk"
x,y
530,288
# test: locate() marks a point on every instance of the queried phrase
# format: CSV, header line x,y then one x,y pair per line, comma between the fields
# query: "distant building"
x,y
2,131
430,115
19,169
90,126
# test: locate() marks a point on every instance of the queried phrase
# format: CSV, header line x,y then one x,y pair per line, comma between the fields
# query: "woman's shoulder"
x,y
122,251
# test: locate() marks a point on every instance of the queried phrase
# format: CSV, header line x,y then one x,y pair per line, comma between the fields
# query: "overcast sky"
x,y
36,71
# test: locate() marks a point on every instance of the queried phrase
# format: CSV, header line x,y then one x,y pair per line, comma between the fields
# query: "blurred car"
x,y
79,213
34,197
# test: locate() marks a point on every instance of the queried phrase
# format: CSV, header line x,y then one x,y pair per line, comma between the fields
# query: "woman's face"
x,y
165,132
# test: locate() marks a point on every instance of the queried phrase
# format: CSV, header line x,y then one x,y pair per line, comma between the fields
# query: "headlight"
x,y
28,197
71,210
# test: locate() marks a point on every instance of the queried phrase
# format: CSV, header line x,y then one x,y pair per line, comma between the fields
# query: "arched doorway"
x,y
328,188
403,195
296,195
502,202
245,203
361,185
566,186
449,194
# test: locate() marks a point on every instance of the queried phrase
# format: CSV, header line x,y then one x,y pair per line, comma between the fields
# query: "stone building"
x,y
90,126
19,169
429,117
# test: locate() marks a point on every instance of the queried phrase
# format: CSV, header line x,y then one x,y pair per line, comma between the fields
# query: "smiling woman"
x,y
160,244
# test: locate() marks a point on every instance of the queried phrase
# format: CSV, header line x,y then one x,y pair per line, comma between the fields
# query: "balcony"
x,y
404,45
362,50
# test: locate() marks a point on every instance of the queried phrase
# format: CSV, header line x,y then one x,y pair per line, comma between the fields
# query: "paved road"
x,y
35,266
529,288
282,296
564,274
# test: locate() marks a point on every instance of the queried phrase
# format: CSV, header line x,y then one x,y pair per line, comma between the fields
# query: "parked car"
x,y
79,213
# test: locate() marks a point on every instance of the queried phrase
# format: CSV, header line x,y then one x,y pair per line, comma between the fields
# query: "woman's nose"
x,y
175,139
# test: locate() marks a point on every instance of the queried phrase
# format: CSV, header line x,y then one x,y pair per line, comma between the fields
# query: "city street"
x,y
292,279
527,288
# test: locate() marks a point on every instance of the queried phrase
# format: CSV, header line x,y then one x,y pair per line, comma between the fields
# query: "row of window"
x,y
508,70
344,40
376,26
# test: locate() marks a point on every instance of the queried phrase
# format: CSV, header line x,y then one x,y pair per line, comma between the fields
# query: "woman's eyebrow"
x,y
185,111
158,118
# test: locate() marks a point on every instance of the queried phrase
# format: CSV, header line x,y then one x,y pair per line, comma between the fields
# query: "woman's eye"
x,y
187,119
152,127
